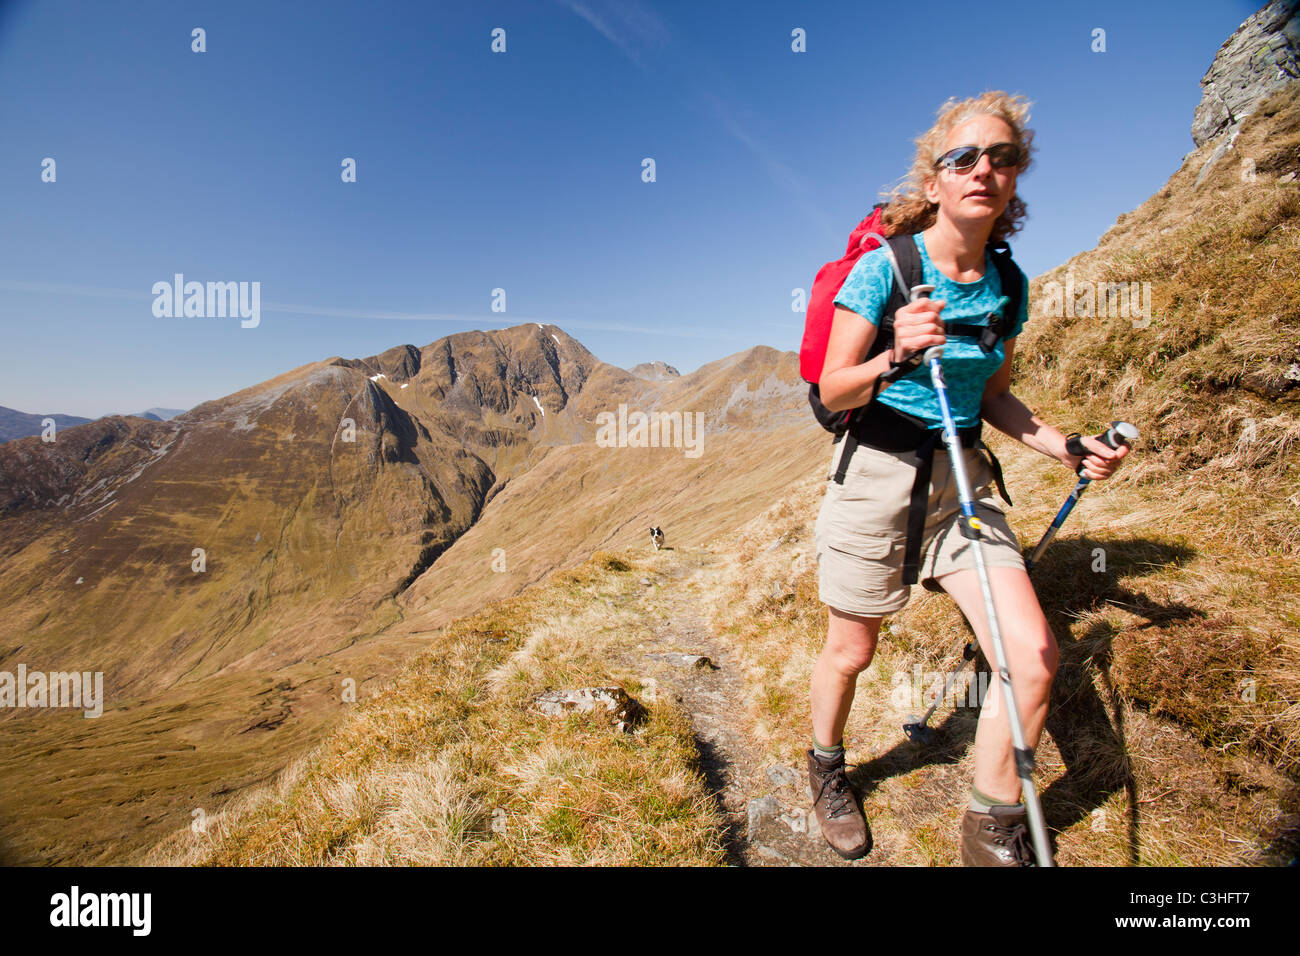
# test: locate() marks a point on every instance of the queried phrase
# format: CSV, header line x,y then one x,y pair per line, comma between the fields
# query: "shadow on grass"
x,y
1072,579
8,854
1284,844
1079,576
715,766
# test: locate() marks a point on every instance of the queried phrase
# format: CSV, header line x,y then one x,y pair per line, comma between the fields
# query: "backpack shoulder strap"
x,y
909,263
1012,280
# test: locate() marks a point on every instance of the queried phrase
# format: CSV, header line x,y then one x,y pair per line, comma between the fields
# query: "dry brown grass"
x,y
1152,754
1212,379
449,765
1212,384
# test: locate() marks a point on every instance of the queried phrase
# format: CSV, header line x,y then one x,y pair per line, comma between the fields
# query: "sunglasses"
x,y
1001,155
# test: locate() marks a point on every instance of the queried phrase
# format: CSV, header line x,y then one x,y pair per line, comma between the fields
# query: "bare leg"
x,y
850,645
1031,657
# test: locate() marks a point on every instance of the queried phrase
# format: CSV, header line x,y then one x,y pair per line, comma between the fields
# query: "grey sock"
x,y
982,803
828,754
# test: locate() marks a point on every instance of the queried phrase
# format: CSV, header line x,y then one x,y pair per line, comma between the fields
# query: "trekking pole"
x,y
1119,433
920,730
970,529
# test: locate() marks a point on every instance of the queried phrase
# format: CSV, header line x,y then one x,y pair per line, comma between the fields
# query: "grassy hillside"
x,y
449,763
1214,383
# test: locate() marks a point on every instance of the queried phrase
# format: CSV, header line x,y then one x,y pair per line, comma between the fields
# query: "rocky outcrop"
x,y
1262,56
623,710
400,363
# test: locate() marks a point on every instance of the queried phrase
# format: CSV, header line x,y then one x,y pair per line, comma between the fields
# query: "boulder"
x,y
611,701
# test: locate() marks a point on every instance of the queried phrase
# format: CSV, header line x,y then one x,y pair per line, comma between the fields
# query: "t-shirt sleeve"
x,y
867,288
1023,317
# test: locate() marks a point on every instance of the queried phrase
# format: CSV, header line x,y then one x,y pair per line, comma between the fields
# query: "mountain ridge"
x,y
321,555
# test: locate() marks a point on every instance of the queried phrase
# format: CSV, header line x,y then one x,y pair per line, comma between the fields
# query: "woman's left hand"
x,y
1100,462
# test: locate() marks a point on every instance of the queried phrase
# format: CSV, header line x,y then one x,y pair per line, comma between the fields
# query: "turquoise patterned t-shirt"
x,y
966,369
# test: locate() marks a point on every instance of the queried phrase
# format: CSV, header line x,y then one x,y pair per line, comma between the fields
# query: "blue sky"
x,y
518,170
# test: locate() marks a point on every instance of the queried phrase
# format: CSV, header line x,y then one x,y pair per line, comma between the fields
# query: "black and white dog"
x,y
657,537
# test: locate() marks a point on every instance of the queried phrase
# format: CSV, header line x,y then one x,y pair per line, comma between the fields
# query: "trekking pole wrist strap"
x,y
898,369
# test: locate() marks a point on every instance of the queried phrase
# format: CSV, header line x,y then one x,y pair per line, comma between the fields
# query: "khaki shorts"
x,y
861,531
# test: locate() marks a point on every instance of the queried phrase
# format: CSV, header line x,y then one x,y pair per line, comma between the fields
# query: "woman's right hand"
x,y
917,327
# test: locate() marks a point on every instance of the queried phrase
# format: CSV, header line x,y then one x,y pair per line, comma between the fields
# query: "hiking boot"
x,y
838,811
996,838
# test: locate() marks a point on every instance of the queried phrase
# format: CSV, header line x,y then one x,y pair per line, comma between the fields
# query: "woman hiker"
x,y
960,194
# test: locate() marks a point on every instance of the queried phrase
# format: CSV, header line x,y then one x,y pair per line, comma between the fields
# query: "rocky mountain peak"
x,y
655,371
1260,57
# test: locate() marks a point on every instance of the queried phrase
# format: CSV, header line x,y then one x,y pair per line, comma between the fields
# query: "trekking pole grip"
x,y
1119,433
934,352
913,359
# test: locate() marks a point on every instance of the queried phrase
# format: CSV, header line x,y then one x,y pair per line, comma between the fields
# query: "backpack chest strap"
x,y
987,335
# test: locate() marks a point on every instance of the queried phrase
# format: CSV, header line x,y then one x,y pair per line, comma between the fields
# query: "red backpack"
x,y
821,304
821,312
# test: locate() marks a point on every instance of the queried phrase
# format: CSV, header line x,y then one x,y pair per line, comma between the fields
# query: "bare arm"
x,y
1010,416
847,381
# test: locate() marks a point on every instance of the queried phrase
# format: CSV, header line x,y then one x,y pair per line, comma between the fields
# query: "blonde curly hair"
x,y
908,211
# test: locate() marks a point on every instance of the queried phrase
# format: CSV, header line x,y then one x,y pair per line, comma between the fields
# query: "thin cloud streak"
x,y
780,174
100,292
648,29
638,26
